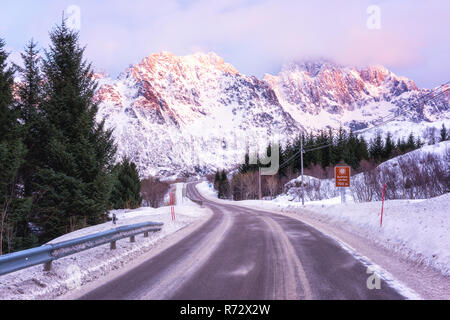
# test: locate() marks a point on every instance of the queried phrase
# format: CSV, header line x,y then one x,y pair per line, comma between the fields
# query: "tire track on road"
x,y
292,284
188,265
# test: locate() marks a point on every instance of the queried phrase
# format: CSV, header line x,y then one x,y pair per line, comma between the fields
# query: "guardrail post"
x,y
132,239
145,234
112,245
48,266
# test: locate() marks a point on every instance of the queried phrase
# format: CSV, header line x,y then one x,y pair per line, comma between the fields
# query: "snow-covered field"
x,y
416,229
73,271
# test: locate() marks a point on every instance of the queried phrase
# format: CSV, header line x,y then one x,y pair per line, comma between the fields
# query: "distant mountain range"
x,y
192,114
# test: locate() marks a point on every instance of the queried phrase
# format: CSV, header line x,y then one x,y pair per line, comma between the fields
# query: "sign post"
x,y
342,179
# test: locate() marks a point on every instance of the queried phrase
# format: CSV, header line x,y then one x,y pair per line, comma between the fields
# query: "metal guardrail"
x,y
47,253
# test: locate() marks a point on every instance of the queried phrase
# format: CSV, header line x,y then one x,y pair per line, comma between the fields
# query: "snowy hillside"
x,y
192,114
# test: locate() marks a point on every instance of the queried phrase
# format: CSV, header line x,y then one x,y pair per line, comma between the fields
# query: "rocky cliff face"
x,y
348,96
190,114
193,114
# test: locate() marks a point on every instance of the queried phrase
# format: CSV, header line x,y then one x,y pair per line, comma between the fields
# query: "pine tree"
x,y
12,151
389,147
8,114
350,151
411,143
362,149
217,180
376,148
324,153
444,134
419,143
224,186
126,193
73,184
401,145
338,146
29,104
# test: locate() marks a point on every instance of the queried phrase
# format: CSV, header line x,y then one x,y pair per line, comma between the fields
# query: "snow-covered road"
x,y
413,243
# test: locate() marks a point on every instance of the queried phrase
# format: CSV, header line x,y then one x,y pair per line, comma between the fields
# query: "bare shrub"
x,y
272,185
245,185
415,176
316,171
153,191
362,188
251,186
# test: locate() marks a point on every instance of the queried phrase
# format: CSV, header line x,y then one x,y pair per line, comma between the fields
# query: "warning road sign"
x,y
342,176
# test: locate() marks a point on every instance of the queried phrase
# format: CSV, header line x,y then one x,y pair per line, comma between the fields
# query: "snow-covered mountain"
x,y
320,93
193,114
189,114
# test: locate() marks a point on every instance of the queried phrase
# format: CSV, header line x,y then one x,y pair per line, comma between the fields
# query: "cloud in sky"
x,y
255,36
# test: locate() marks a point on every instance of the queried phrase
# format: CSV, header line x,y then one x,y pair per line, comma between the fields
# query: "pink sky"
x,y
257,37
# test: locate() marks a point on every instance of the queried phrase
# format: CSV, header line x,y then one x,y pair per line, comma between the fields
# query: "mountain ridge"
x,y
192,114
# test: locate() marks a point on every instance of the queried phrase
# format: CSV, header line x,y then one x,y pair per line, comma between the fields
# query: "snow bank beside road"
x,y
417,229
76,270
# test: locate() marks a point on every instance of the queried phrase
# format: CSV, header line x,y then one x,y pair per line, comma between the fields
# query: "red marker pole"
x,y
382,205
172,210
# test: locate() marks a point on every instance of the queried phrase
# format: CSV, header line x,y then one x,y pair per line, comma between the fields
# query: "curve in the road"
x,y
243,253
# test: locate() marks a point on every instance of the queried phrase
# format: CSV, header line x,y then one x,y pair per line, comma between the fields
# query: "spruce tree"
x,y
30,98
444,134
362,149
339,146
411,143
217,180
224,186
14,208
351,155
126,193
72,184
376,148
389,147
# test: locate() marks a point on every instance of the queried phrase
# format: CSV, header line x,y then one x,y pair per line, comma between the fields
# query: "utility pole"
x,y
301,160
260,195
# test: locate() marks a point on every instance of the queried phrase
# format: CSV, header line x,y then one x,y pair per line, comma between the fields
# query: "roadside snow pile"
x,y
315,189
76,270
418,229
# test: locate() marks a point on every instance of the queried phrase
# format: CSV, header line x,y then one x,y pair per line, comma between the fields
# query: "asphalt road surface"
x,y
242,253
